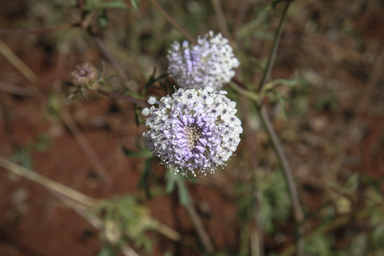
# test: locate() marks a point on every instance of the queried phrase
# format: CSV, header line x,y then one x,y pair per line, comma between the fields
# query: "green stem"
x,y
298,212
276,143
246,93
123,97
272,56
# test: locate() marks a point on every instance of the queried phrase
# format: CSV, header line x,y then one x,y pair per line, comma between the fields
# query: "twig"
x,y
38,31
48,183
70,123
165,230
236,80
24,69
276,41
173,22
220,19
200,228
123,97
14,89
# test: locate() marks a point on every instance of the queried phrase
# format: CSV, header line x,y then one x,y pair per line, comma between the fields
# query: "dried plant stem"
x,y
48,183
70,197
200,228
173,21
298,212
19,64
123,97
165,230
72,126
221,19
16,90
276,41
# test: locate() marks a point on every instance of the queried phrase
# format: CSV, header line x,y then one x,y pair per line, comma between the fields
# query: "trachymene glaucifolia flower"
x,y
193,130
210,63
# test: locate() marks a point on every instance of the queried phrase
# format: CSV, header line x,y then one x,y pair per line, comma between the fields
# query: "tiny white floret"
x,y
151,100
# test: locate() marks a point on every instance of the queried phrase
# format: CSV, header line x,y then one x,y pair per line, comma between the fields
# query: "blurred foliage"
x,y
22,154
274,202
124,219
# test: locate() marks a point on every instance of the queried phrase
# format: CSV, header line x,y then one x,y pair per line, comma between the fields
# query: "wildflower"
x,y
86,75
192,130
211,62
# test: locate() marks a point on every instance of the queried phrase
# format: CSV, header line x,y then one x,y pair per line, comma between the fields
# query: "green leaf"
x,y
131,93
183,192
41,143
106,251
137,154
134,4
23,157
146,174
174,179
152,79
103,18
136,111
171,182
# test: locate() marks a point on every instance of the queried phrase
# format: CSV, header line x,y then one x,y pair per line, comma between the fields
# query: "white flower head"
x,y
193,130
210,62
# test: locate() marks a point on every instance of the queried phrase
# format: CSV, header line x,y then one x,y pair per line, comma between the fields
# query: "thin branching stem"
x,y
123,97
272,56
298,212
198,224
244,92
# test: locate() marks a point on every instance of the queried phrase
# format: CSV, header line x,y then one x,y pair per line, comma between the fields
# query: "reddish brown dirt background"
x,y
33,222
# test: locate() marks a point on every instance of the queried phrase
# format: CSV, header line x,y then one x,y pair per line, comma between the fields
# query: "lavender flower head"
x,y
210,63
193,130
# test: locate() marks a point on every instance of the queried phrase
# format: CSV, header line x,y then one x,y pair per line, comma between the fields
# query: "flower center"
x,y
193,134
83,72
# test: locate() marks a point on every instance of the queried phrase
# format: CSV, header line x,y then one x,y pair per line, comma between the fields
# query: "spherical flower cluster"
x,y
85,75
193,130
210,63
